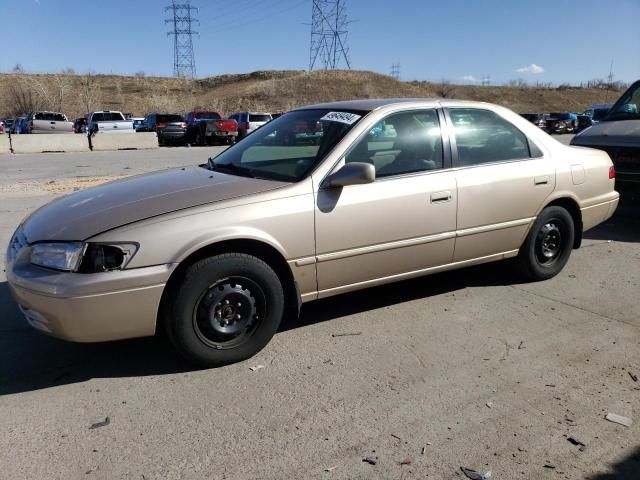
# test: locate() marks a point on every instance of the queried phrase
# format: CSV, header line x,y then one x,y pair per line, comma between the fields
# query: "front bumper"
x,y
89,307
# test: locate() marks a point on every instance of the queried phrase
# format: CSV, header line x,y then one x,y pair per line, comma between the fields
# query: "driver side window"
x,y
405,142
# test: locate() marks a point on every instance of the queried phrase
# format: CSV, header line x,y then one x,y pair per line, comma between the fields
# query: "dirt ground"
x,y
471,368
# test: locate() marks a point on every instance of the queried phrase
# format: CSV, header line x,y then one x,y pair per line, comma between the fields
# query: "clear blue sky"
x,y
562,40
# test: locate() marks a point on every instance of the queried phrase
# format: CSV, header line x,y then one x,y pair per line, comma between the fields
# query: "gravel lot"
x,y
468,368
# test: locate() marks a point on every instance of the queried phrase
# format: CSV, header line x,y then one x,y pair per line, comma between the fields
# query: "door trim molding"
x,y
494,226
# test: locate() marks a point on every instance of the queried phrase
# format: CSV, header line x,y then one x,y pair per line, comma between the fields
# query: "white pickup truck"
x,y
108,122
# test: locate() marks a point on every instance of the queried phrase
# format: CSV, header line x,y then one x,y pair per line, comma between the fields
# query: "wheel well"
x,y
261,250
574,210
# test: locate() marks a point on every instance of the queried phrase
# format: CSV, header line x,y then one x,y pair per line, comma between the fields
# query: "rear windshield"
x,y
207,115
259,117
169,118
51,116
107,117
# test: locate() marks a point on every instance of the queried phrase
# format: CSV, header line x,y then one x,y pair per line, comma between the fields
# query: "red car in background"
x,y
207,127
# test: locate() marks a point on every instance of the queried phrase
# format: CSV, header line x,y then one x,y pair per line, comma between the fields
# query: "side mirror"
x,y
353,173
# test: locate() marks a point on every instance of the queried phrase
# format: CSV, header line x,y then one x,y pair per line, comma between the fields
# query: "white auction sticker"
x,y
342,117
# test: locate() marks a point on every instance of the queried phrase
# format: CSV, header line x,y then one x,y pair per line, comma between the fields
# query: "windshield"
x,y
259,117
207,115
169,118
289,147
628,107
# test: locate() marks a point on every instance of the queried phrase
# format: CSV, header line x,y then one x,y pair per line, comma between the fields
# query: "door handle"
x,y
441,196
543,180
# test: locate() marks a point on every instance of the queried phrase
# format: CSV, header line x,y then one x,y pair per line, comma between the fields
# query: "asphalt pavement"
x,y
468,368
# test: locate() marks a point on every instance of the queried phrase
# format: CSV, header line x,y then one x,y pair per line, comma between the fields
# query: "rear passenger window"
x,y
482,136
405,142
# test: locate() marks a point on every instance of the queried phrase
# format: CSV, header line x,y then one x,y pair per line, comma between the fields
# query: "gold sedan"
x,y
323,200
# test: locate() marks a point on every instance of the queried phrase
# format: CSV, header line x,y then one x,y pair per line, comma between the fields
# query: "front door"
x,y
402,223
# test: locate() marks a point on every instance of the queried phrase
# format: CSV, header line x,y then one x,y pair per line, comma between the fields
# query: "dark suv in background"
x,y
536,118
170,127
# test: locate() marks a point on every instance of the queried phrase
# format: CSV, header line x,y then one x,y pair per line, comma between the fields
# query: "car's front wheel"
x,y
227,309
548,246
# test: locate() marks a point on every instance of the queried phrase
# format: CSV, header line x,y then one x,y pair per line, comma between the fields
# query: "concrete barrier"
x,y
50,142
124,141
4,144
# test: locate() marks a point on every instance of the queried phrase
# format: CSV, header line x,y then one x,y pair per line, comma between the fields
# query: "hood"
x,y
616,133
86,213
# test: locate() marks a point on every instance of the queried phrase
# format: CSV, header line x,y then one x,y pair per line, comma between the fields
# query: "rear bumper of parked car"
x,y
172,135
89,307
597,213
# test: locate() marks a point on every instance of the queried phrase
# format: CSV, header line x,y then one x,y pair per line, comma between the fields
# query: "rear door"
x,y
503,179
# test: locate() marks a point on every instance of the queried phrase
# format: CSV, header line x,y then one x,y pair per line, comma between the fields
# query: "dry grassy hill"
x,y
263,91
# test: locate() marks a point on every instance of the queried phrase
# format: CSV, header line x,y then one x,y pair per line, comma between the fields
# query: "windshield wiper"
x,y
230,168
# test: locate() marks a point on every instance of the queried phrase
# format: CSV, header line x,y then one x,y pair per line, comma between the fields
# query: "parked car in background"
x,y
276,115
618,134
48,122
170,127
598,111
2,127
108,121
561,123
8,124
584,121
216,255
208,127
80,125
249,121
537,119
138,122
19,126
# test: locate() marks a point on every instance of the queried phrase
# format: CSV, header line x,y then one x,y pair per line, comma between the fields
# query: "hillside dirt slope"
x,y
262,91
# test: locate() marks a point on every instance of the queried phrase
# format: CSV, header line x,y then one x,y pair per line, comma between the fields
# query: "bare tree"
x,y
90,92
445,90
21,98
18,68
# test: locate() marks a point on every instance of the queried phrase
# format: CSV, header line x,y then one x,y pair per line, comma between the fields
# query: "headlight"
x,y
104,257
83,257
57,255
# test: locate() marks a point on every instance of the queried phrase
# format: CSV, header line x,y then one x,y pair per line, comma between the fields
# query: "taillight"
x,y
183,125
161,125
30,126
247,125
612,172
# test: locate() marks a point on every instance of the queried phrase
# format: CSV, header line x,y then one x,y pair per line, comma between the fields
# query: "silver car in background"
x,y
249,121
48,122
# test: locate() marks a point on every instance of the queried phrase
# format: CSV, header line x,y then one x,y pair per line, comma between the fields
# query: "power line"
x,y
329,34
395,71
259,19
184,64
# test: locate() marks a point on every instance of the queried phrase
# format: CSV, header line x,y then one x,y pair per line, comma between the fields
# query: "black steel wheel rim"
x,y
549,242
229,312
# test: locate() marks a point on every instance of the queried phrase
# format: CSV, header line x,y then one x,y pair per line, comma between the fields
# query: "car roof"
x,y
374,103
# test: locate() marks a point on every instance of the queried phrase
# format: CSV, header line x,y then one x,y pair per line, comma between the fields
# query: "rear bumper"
x,y
172,135
596,214
89,307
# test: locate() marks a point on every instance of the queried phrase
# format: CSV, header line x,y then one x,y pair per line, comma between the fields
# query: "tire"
x,y
226,310
548,245
200,139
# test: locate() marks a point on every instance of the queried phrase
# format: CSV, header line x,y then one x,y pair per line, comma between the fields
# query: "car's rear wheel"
x,y
548,246
226,310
